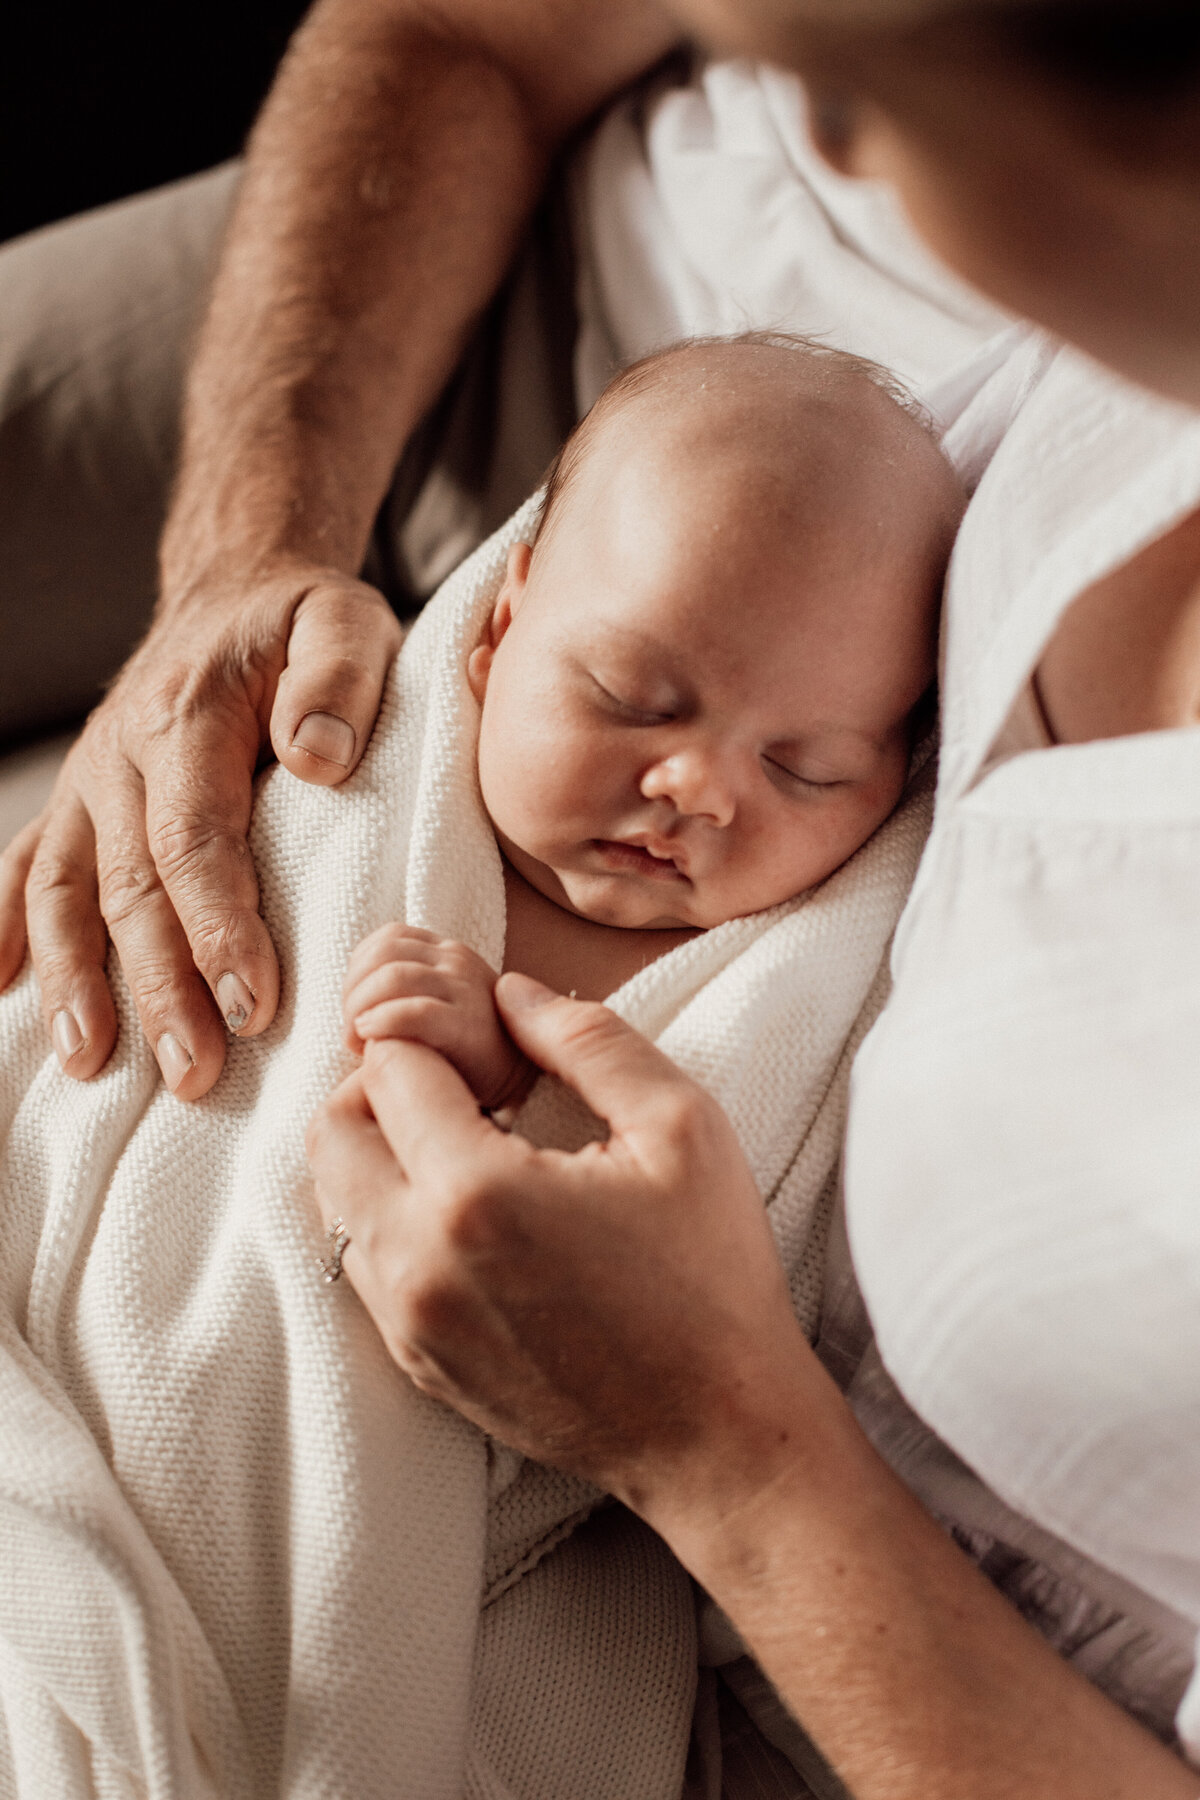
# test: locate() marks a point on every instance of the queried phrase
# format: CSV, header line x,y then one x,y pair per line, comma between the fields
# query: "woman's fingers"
x,y
343,639
396,1259
67,939
428,1115
640,1093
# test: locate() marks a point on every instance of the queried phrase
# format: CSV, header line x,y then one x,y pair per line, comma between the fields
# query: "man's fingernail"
x,y
65,1035
326,736
173,1059
235,1001
522,992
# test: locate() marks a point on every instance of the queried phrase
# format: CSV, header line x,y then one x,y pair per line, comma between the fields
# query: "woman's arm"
x,y
387,182
622,1313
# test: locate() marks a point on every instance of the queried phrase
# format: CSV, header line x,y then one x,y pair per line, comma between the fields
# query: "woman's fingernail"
x,y
173,1059
522,992
65,1035
325,735
235,1001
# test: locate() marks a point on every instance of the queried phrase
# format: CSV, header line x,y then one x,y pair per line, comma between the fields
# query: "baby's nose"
x,y
695,782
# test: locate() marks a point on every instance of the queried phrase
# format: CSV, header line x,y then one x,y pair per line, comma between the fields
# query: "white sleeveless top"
x,y
1025,1134
1023,1181
700,207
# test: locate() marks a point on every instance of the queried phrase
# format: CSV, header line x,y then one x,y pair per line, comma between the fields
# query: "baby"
x,y
698,685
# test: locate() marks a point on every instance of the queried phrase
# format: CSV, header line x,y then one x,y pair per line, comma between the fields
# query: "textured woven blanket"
x,y
239,1555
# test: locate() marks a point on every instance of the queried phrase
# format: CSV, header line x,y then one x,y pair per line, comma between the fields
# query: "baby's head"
x,y
698,684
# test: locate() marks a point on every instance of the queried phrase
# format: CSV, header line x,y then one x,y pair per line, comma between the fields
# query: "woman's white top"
x,y
700,207
1024,1164
1023,1180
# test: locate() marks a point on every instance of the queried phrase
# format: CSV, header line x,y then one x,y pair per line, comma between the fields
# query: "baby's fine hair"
x,y
640,376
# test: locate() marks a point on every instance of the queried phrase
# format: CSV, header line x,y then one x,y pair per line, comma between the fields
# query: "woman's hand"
x,y
622,1313
598,1311
144,837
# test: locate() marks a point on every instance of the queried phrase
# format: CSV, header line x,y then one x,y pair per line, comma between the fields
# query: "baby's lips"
x,y
668,863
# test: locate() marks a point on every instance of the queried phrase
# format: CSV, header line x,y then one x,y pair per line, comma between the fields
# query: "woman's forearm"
x,y
915,1677
387,182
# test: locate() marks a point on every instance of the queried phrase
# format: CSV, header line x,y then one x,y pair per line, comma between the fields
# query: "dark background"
x,y
104,100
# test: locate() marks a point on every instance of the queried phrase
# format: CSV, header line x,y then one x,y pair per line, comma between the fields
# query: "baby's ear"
x,y
479,663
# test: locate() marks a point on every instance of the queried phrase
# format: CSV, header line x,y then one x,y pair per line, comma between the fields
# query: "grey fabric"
x,y
99,316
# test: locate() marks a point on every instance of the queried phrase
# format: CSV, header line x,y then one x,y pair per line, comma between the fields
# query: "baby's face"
x,y
687,713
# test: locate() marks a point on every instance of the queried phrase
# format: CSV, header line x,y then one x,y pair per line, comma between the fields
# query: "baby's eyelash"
x,y
804,781
640,715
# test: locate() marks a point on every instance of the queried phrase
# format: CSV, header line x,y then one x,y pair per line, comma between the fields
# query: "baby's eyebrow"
x,y
637,638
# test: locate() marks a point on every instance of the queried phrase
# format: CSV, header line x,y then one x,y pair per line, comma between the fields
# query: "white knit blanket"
x,y
239,1554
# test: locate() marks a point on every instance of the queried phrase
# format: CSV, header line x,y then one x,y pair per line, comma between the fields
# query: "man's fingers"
x,y
67,938
344,637
612,1067
173,1003
14,872
198,800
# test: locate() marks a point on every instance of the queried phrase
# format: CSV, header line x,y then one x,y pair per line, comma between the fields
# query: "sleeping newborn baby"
x,y
661,756
698,684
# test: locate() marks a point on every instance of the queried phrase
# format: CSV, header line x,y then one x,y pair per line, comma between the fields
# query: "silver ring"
x,y
338,1238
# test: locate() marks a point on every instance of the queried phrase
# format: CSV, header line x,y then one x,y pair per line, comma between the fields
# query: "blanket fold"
x,y
239,1554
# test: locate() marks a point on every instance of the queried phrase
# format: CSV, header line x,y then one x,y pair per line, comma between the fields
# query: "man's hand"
x,y
144,837
599,1310
387,185
403,982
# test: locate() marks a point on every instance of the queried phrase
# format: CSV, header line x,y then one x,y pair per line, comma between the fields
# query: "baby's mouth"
x,y
639,859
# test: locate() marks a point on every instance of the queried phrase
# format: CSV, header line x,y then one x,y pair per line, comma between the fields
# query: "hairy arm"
x,y
388,180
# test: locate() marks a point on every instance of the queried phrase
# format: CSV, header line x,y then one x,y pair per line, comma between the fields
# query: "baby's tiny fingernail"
x,y
173,1059
521,992
324,735
235,1001
65,1035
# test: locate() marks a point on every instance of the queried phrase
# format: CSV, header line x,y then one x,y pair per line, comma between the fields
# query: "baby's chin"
x,y
624,912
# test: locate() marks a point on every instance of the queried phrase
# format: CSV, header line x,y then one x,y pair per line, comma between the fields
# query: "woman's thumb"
x,y
612,1067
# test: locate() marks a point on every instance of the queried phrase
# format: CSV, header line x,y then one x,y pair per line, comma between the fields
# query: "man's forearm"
x,y
387,182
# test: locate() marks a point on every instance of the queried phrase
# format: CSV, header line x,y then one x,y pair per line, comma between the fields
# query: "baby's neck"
x,y
572,954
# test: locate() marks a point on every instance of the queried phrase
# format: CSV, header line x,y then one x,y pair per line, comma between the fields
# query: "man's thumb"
x,y
342,641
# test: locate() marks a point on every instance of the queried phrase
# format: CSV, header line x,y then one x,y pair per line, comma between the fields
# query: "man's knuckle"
x,y
154,990
51,875
187,842
128,885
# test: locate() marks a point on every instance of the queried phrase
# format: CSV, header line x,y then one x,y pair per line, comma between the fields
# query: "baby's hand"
x,y
407,983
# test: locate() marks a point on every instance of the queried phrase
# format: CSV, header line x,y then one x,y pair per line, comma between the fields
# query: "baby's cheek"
x,y
521,776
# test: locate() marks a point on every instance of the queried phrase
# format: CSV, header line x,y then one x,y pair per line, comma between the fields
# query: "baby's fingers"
x,y
391,943
394,984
